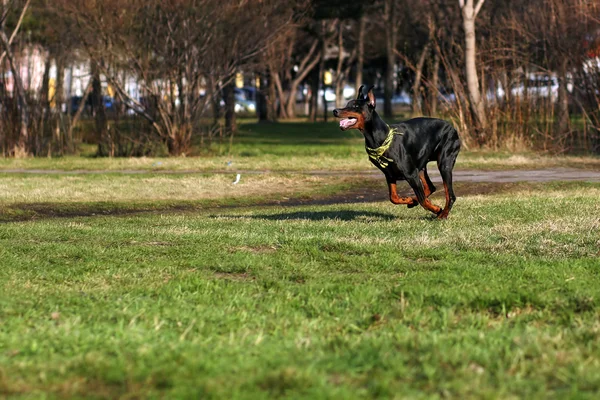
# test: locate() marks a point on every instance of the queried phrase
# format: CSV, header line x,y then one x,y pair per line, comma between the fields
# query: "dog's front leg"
x,y
394,198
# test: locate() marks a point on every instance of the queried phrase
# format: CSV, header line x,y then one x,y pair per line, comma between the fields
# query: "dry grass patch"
x,y
254,249
354,159
98,188
528,161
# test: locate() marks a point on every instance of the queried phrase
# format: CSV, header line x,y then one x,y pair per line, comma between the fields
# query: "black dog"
x,y
402,151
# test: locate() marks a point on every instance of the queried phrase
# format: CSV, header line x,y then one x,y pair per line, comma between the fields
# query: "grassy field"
x,y
364,300
288,147
154,285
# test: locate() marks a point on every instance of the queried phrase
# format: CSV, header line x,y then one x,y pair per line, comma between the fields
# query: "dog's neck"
x,y
375,131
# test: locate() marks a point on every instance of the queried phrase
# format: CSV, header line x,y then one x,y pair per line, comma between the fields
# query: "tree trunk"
x,y
506,86
562,114
272,99
215,100
307,65
433,92
290,106
283,100
44,108
44,100
184,106
360,49
314,94
339,81
59,99
469,14
70,91
229,96
22,146
390,45
99,113
262,111
417,108
321,72
80,110
324,108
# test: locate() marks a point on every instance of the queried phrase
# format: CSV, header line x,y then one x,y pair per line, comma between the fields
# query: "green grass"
x,y
341,301
293,146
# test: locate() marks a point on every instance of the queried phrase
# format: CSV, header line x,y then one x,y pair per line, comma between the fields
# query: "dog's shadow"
x,y
340,215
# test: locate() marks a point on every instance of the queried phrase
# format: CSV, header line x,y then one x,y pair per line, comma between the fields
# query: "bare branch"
x,y
16,30
478,7
309,55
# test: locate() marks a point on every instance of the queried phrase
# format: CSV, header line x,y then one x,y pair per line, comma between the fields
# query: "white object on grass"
x,y
237,179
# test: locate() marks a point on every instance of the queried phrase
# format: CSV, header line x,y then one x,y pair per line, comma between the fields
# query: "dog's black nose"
x,y
335,112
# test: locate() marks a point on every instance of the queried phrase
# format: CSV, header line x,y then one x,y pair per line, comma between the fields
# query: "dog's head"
x,y
357,112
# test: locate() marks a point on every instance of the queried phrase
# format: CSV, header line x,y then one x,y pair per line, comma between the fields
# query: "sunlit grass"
x,y
24,188
338,301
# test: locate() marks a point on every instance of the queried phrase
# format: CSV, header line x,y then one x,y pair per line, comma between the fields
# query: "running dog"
x,y
402,151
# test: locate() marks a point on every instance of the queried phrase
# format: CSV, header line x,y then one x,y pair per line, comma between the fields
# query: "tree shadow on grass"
x,y
340,215
37,211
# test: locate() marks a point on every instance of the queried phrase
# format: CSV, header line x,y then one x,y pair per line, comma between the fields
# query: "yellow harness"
x,y
377,154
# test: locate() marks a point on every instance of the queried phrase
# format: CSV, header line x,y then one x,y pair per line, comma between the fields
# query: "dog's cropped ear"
x,y
371,97
360,93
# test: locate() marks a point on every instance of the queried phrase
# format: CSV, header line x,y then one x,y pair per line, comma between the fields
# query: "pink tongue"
x,y
345,123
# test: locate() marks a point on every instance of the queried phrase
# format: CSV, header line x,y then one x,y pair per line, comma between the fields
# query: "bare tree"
x,y
391,33
360,52
469,14
344,64
434,84
182,45
293,58
22,146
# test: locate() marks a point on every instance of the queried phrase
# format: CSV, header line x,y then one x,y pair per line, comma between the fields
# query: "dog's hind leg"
x,y
428,187
417,185
446,160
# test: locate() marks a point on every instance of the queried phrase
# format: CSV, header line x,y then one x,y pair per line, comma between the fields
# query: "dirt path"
x,y
539,175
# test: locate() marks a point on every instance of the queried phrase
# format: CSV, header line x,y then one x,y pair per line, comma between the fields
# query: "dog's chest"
x,y
390,169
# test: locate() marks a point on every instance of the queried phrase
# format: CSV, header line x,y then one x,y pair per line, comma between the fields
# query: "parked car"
x,y
538,86
348,92
397,98
245,100
108,102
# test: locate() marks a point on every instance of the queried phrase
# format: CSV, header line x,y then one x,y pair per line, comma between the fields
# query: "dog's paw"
x,y
413,204
442,215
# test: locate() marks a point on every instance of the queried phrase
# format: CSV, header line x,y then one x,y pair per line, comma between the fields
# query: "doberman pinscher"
x,y
402,151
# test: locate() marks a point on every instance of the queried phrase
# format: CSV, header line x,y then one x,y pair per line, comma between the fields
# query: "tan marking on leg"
x,y
394,198
444,214
426,188
425,185
428,205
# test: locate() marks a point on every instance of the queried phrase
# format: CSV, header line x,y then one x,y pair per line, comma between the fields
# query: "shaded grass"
x,y
292,146
333,301
32,196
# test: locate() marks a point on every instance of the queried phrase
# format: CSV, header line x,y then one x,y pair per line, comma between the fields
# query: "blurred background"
x,y
169,77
